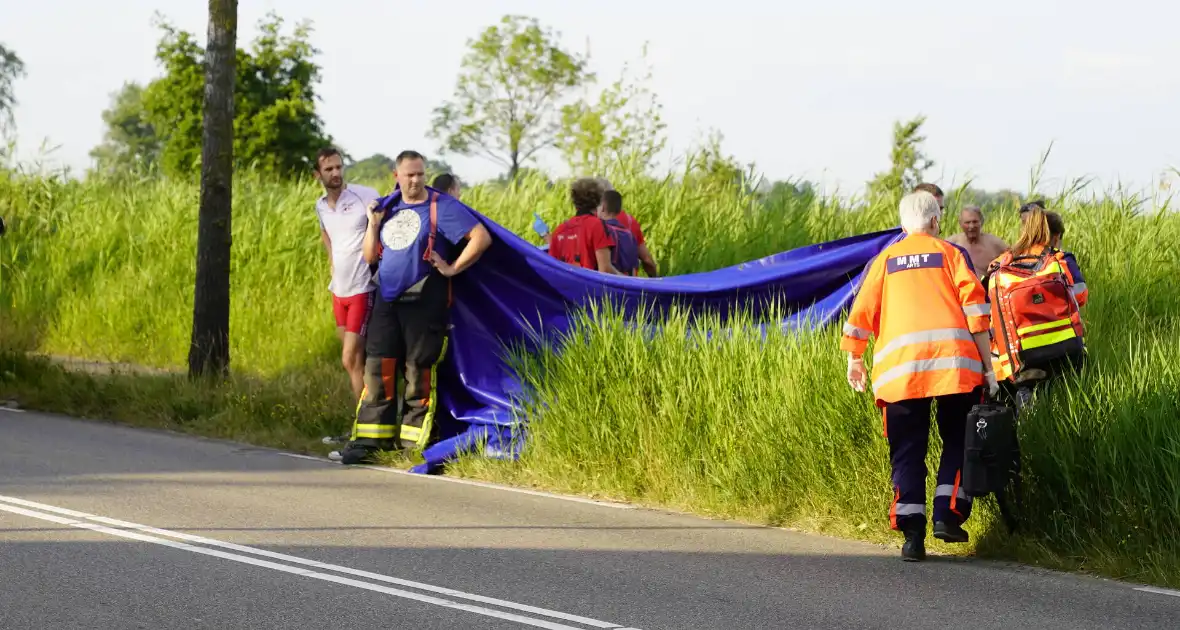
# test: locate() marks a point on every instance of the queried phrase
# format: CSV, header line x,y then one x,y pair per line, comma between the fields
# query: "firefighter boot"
x,y
914,547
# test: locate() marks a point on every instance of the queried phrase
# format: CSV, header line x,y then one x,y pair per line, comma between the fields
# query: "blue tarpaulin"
x,y
517,289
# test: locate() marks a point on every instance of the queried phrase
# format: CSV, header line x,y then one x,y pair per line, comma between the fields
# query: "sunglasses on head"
x,y
1032,204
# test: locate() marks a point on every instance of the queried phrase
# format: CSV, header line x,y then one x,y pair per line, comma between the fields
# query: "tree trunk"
x,y
514,156
209,352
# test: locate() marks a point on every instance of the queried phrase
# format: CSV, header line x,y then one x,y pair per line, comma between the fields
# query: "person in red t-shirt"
x,y
583,239
629,222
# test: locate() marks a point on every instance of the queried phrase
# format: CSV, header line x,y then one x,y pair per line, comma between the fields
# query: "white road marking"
x,y
308,457
13,410
9,504
480,484
1159,591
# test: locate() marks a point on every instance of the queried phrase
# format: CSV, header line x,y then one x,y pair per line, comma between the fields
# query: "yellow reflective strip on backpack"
x,y
1009,278
1049,339
1039,327
374,431
1053,267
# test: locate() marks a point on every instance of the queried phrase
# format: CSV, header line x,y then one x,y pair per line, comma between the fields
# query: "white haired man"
x,y
929,315
981,246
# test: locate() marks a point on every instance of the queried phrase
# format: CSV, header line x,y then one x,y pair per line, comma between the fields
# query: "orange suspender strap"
x,y
430,241
433,226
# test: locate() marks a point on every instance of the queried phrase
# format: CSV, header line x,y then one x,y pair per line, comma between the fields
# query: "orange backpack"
x,y
1036,322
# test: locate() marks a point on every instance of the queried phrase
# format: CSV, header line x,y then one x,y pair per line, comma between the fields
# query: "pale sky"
x,y
803,89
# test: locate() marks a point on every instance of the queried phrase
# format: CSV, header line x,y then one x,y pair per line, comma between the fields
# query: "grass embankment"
x,y
739,427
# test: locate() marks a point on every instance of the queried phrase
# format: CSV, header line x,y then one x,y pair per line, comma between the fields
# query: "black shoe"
x,y
950,532
914,548
352,455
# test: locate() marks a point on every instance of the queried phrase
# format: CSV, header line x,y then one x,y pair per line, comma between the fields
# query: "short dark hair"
x,y
612,202
408,154
1056,224
444,182
586,193
930,188
325,152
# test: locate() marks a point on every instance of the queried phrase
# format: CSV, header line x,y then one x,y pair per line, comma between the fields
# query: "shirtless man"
x,y
982,247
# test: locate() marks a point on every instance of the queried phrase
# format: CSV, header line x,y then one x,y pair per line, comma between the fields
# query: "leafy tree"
x,y
375,168
131,142
783,194
709,166
908,162
209,351
438,167
11,69
988,199
379,168
276,127
523,175
623,127
506,102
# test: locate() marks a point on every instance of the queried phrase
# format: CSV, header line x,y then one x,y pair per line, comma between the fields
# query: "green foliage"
x,y
377,170
131,143
988,199
767,429
286,411
710,166
506,101
623,126
907,163
276,127
102,268
11,69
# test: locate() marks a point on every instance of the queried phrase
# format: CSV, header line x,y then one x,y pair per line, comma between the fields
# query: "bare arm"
x,y
604,264
478,241
372,243
649,263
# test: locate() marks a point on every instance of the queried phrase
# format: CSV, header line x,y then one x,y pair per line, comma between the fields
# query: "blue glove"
x,y
539,225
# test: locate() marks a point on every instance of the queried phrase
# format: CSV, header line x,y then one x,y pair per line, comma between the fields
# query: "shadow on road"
x,y
128,583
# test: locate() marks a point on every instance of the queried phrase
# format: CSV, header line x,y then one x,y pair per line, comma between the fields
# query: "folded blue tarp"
x,y
516,289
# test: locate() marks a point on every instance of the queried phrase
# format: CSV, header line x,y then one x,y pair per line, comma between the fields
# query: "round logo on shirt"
x,y
401,230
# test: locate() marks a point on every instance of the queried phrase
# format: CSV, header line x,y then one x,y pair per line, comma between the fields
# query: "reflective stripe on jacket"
x,y
922,303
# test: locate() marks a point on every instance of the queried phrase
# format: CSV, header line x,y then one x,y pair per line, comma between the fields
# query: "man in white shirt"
x,y
343,216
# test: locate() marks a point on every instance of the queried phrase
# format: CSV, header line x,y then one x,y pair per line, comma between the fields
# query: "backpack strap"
x,y
433,226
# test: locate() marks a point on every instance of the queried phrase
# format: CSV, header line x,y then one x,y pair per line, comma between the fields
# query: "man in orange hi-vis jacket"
x,y
928,312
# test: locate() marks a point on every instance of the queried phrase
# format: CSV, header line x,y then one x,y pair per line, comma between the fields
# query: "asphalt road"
x,y
109,527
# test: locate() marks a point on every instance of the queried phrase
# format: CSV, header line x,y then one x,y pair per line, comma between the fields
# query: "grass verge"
x,y
760,430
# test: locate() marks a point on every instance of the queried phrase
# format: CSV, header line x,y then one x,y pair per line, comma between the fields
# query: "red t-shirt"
x,y
577,240
631,224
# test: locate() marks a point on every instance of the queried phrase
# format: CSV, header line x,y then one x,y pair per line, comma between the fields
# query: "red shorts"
x,y
352,313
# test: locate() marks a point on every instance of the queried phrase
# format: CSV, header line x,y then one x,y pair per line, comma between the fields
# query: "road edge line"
x,y
24,504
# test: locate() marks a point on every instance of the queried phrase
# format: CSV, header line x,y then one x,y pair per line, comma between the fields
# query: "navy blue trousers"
x,y
907,427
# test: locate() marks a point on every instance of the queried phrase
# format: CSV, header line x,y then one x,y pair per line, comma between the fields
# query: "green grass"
x,y
740,427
